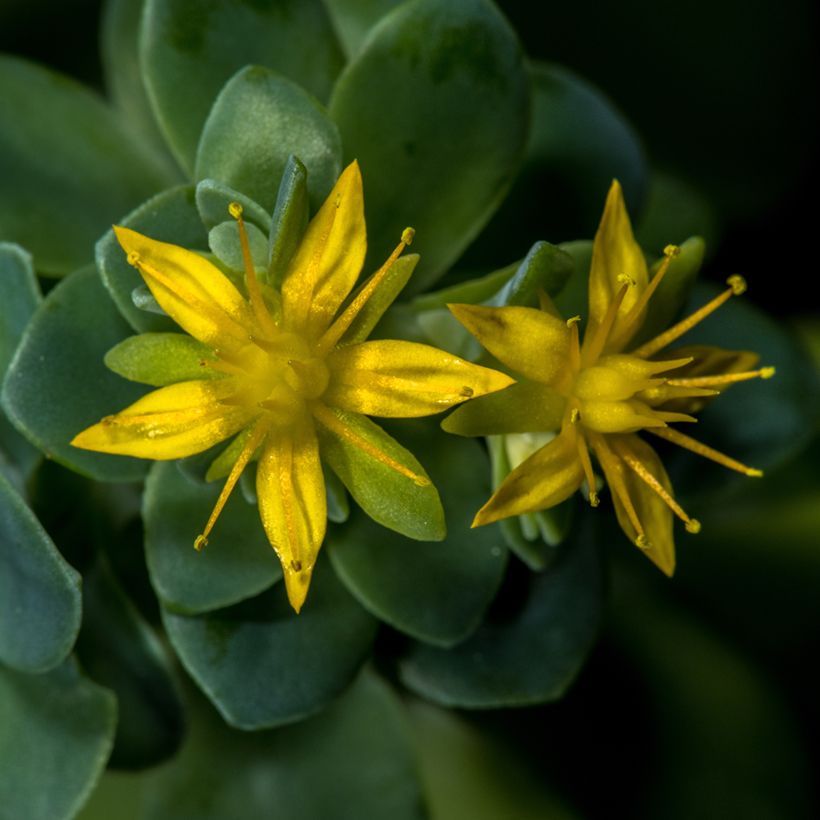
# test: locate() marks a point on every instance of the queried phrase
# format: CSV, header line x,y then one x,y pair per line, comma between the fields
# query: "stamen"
x,y
254,440
586,463
612,471
332,422
737,286
688,443
725,378
631,318
574,344
254,291
594,343
335,332
692,524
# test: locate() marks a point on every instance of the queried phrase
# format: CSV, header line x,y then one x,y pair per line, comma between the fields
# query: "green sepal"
x,y
161,358
290,218
69,166
338,505
222,465
258,120
275,667
223,240
393,500
40,606
57,384
469,292
545,267
531,656
452,146
188,53
436,592
237,563
213,199
56,732
171,216
119,650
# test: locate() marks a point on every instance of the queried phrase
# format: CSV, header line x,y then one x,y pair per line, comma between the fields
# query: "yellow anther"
x,y
626,279
407,235
338,201
767,372
575,415
296,566
594,501
133,258
671,251
737,284
643,542
467,392
235,209
200,542
573,321
693,526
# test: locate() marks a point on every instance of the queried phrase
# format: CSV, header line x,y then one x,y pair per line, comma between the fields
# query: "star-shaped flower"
x,y
597,397
291,373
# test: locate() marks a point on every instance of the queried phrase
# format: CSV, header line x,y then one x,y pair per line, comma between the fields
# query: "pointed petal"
x,y
192,291
615,253
397,379
525,407
548,477
528,341
172,422
292,504
327,263
653,514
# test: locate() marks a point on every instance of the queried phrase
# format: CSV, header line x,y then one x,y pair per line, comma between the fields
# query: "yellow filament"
x,y
574,344
725,378
688,443
254,440
335,332
586,463
594,344
692,524
737,286
330,420
254,291
612,470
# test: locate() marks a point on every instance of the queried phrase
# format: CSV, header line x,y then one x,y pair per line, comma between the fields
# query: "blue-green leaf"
x,y
213,199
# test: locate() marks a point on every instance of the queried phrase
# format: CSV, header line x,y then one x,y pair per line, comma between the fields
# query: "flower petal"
x,y
404,379
192,291
292,504
327,263
525,407
653,514
548,477
173,422
615,254
529,341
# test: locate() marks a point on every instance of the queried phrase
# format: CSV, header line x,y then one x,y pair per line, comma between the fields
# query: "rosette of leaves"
x,y
105,610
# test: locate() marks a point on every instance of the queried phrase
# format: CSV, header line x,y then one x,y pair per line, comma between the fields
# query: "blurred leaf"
x,y
439,158
69,165
467,775
256,123
238,561
545,267
226,246
40,606
171,216
354,19
434,591
57,384
119,650
189,50
56,731
160,358
262,665
529,656
213,199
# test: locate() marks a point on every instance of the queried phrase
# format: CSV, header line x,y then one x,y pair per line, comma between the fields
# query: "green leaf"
x,y
40,605
57,384
258,120
160,358
225,245
21,296
171,216
264,666
213,199
56,731
290,218
237,563
546,267
189,50
68,163
354,761
354,19
119,650
468,774
409,506
435,107
436,592
529,656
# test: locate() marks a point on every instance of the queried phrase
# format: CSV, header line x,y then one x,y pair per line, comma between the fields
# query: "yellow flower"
x,y
291,370
599,397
